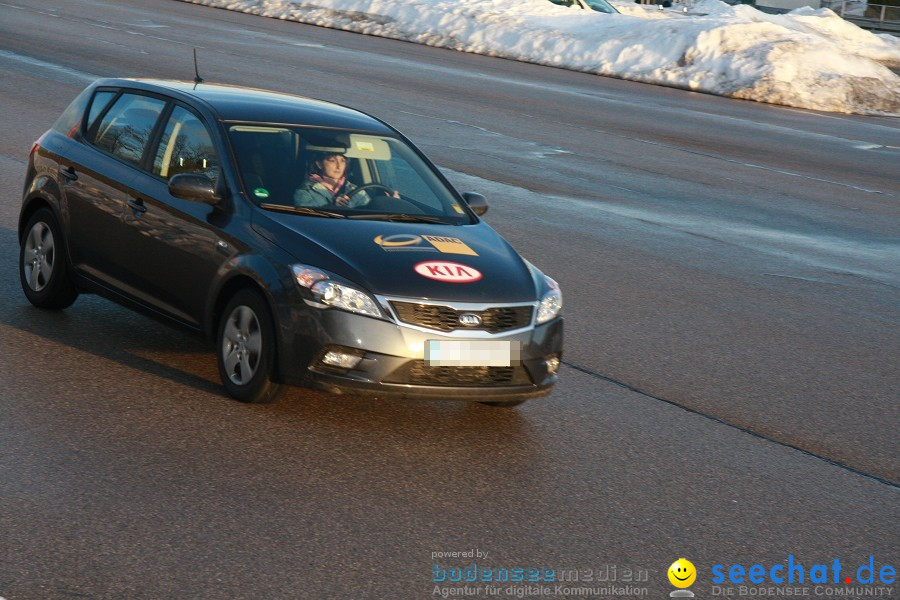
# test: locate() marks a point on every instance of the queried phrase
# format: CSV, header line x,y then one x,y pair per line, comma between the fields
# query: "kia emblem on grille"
x,y
469,320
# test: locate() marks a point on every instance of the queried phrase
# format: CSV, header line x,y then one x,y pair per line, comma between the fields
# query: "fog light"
x,y
343,360
552,363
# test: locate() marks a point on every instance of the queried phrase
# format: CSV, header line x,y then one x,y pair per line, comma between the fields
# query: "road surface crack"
x,y
741,428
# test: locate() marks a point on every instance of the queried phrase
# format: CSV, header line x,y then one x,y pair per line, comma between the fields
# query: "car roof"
x,y
236,103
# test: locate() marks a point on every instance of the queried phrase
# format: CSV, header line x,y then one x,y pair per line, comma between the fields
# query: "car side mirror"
x,y
195,187
476,202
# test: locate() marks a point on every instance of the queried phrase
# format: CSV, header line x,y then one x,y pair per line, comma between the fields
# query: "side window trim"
x,y
156,136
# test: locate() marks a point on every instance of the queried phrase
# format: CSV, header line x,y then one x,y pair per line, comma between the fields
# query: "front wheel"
x,y
246,349
43,271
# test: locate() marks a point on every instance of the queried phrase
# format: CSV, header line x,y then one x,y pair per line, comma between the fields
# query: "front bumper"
x,y
393,365
343,385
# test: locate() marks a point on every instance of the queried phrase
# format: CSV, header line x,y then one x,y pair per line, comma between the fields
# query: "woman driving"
x,y
327,184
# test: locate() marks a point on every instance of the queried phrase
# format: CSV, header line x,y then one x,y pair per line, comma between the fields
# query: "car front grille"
x,y
417,373
446,318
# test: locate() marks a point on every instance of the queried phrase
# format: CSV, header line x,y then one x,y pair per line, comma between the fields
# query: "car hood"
x,y
466,263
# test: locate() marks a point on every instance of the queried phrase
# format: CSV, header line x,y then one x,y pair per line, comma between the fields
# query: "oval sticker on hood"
x,y
450,272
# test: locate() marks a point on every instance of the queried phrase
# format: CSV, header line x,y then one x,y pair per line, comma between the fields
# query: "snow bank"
x,y
807,58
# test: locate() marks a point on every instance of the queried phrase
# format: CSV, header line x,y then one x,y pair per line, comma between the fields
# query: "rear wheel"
x,y
246,349
43,269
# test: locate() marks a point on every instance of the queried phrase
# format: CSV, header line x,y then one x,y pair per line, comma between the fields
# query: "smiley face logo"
x,y
682,573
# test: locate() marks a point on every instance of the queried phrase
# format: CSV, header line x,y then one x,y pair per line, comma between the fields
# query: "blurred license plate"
x,y
471,353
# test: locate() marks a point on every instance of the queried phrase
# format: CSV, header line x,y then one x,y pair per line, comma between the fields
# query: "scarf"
x,y
334,186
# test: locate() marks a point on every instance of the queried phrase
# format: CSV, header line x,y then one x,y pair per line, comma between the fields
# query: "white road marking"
x,y
34,62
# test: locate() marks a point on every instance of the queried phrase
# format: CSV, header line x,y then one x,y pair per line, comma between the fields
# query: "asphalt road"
x,y
731,275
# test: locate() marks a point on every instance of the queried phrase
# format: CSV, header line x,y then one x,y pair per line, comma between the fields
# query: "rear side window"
x,y
185,147
69,122
101,100
125,129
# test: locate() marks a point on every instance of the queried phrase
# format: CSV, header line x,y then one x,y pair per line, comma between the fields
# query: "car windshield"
x,y
601,6
327,172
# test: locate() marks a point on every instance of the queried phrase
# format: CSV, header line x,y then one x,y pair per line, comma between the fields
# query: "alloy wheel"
x,y
241,345
39,256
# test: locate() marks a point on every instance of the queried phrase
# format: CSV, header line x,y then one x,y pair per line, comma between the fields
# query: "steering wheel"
x,y
370,186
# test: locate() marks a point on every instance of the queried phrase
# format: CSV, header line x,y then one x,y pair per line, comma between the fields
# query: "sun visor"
x,y
327,149
258,129
368,146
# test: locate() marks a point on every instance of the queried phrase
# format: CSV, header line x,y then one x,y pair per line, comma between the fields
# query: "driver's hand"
x,y
342,200
396,194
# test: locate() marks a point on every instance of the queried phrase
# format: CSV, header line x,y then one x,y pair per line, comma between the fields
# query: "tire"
x,y
245,349
43,264
503,403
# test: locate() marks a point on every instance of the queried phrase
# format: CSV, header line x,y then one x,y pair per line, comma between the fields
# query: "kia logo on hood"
x,y
469,320
450,272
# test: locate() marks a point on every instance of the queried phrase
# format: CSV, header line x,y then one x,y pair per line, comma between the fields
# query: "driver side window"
x,y
185,147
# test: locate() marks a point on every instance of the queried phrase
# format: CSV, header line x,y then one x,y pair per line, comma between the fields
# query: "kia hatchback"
x,y
314,243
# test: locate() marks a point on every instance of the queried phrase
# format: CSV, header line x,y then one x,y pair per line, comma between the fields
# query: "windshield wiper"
x,y
401,217
303,210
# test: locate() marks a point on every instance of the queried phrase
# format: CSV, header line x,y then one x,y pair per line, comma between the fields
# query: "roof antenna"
x,y
197,78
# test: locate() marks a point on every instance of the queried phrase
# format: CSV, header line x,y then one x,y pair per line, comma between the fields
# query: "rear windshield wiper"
x,y
303,210
401,217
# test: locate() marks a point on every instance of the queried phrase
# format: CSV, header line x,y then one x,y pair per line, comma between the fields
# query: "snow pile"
x,y
807,58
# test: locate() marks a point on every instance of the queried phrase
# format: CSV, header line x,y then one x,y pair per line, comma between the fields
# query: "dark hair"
x,y
319,157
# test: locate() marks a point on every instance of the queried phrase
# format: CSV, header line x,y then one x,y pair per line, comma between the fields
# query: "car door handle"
x,y
69,173
137,205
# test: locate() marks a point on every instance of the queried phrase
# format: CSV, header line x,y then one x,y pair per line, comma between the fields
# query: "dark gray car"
x,y
314,243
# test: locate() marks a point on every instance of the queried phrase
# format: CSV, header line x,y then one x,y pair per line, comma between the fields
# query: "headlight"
x,y
551,303
331,293
345,297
